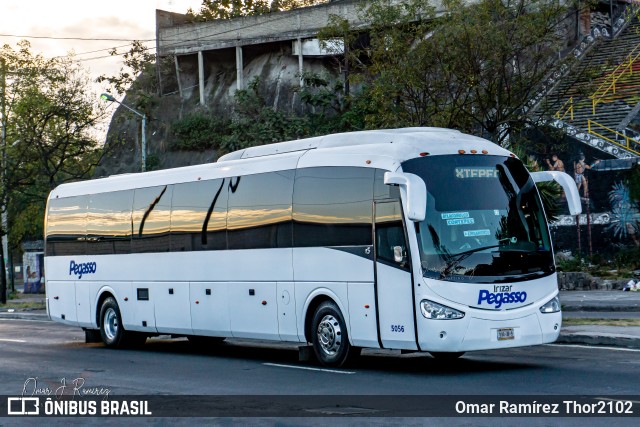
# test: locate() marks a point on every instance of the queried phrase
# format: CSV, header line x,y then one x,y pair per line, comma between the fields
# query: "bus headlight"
x,y
552,306
433,310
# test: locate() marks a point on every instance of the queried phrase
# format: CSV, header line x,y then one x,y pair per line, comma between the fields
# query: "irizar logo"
x,y
81,269
501,295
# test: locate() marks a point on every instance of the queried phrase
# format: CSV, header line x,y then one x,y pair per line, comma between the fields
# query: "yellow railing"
x,y
597,129
609,84
564,110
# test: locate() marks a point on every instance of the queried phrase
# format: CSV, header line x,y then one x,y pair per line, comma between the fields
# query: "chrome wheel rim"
x,y
111,324
329,335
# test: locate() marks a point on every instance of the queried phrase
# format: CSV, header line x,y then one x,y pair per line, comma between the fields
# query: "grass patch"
x,y
600,322
35,305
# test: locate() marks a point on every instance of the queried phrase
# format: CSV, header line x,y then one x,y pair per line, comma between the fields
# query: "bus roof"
x,y
382,149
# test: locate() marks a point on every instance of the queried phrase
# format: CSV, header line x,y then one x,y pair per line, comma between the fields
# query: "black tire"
x,y
330,338
446,355
112,330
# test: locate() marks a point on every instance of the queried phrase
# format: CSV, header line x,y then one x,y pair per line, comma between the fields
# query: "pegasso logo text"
x,y
500,298
81,269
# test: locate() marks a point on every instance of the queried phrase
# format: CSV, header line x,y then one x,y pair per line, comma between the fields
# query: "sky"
x,y
84,19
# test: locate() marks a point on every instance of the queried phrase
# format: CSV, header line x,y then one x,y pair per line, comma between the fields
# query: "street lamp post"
x,y
108,97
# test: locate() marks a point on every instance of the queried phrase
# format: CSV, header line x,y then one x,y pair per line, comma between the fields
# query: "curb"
x,y
599,340
25,315
603,308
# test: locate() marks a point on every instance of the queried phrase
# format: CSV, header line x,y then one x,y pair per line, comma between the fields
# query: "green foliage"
x,y
473,68
137,77
153,162
253,122
198,132
228,9
627,258
49,115
27,220
550,192
573,264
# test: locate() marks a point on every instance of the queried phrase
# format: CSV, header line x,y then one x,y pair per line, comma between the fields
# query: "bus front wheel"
x,y
111,329
330,338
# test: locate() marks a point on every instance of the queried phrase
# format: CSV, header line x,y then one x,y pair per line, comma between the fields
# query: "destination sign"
x,y
477,172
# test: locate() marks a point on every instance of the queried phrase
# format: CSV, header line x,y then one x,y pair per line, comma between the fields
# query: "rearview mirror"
x,y
413,191
567,183
397,254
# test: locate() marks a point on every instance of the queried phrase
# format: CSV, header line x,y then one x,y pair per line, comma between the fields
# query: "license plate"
x,y
505,334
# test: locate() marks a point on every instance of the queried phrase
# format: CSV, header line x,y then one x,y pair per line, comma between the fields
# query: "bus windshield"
x,y
484,221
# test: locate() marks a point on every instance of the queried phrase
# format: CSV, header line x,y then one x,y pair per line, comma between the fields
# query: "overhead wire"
x,y
183,40
71,38
179,41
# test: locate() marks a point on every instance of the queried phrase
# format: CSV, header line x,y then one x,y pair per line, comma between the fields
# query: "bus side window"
x,y
151,219
259,214
67,226
382,190
332,206
199,216
109,223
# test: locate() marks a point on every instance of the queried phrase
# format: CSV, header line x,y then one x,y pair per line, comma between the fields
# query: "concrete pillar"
x,y
201,76
300,62
239,67
178,76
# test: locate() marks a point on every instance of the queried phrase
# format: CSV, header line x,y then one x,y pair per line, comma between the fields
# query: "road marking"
x,y
306,368
10,340
635,350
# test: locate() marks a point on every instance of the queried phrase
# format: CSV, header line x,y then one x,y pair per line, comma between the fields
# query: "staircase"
x,y
594,101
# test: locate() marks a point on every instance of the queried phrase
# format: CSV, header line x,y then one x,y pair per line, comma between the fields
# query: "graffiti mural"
x,y
610,218
625,216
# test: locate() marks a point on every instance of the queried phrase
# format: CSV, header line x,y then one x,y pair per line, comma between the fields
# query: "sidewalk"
x,y
25,313
575,304
601,305
600,301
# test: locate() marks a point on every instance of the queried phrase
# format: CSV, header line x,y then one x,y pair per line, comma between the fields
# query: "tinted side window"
x,y
332,206
67,226
199,215
383,191
151,219
260,210
109,223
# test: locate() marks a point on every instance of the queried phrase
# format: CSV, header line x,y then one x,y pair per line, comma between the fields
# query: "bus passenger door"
x,y
394,287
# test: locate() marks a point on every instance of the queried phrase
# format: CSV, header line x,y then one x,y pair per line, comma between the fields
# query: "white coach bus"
x,y
420,239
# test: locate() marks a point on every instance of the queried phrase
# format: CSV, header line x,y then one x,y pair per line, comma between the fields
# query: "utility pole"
x,y
143,116
3,199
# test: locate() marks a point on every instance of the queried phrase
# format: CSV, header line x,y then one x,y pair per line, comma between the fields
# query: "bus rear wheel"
x,y
330,338
111,329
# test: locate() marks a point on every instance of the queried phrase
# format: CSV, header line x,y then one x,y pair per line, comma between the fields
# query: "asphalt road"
x,y
45,353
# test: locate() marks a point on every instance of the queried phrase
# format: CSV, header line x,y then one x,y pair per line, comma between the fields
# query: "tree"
x,y
137,76
474,67
50,117
228,9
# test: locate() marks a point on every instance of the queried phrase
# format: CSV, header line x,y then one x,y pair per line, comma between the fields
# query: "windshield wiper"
x,y
455,260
